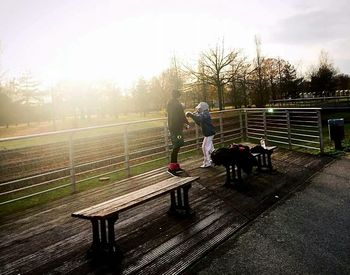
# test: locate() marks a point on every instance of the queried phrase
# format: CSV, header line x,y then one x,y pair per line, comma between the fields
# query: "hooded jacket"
x,y
203,119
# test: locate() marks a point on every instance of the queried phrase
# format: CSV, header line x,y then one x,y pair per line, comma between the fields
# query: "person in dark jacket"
x,y
202,118
176,123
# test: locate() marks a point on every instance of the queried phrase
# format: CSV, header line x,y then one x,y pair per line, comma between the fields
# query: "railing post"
x,y
71,163
221,129
197,135
289,130
166,140
126,151
264,121
320,131
246,125
241,125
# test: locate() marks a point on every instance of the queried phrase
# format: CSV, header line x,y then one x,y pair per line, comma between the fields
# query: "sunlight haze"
x,y
121,41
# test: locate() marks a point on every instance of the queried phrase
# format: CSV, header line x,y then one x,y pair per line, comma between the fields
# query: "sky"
x,y
121,41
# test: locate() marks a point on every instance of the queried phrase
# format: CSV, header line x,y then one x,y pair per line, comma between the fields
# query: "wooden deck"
x,y
48,240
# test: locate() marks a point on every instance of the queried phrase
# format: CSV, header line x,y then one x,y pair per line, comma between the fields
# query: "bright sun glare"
x,y
122,52
121,41
129,49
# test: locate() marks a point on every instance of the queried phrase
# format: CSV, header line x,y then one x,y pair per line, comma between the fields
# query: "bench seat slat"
x,y
113,206
269,148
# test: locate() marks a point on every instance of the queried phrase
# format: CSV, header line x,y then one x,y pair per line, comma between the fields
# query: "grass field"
x,y
114,176
23,204
70,123
46,127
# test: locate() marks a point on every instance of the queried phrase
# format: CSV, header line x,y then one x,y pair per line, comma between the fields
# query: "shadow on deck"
x,y
47,239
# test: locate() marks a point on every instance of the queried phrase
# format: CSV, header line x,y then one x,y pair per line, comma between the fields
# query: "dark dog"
x,y
235,155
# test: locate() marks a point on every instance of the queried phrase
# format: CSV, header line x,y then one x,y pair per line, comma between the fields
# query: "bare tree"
x,y
141,96
280,65
197,88
244,83
215,69
28,92
2,73
259,74
238,66
176,74
170,79
109,99
323,77
157,95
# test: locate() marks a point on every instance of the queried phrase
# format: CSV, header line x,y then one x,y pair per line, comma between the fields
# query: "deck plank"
x,y
46,239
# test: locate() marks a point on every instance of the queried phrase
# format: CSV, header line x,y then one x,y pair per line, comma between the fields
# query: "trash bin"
x,y
336,131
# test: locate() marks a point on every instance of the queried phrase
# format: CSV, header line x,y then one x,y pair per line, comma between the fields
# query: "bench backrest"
x,y
116,205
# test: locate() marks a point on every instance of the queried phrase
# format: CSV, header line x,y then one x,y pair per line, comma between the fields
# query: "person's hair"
x,y
175,93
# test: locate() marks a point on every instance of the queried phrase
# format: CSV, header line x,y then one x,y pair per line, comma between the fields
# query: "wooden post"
x,y
126,151
71,162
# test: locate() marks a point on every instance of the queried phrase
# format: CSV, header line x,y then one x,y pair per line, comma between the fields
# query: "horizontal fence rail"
x,y
291,127
312,101
37,164
42,163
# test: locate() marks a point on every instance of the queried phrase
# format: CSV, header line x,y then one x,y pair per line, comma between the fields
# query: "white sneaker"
x,y
205,165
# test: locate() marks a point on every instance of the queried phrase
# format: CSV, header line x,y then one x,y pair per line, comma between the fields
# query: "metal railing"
x,y
42,163
291,127
37,164
312,101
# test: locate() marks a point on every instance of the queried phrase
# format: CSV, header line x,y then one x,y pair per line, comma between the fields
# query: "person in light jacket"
x,y
202,118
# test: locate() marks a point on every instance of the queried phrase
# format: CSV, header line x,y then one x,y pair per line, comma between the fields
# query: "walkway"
x,y
309,233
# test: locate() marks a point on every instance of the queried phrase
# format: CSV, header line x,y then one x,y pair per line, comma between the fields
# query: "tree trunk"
x,y
220,97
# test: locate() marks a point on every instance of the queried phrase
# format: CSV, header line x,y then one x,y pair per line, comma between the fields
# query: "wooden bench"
x,y
104,215
263,159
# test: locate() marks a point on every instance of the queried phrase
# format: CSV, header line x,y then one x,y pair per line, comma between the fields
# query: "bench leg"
x,y
111,245
179,198
259,163
172,202
103,232
179,202
96,243
269,162
264,160
186,200
103,238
